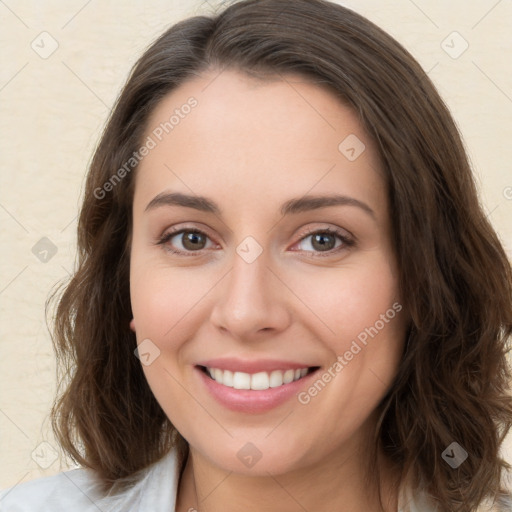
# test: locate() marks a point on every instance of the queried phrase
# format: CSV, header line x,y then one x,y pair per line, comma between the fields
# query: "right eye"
x,y
192,241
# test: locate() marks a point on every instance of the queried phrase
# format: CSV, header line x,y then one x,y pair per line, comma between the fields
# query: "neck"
x,y
335,483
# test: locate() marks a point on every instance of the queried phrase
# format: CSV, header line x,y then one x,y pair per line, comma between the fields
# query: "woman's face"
x,y
275,287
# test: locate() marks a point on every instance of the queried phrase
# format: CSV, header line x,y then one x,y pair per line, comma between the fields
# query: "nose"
x,y
251,300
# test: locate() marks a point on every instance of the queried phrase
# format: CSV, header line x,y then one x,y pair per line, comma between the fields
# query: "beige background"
x,y
52,111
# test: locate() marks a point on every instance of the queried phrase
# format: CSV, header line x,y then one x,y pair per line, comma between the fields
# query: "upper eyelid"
x,y
333,230
308,231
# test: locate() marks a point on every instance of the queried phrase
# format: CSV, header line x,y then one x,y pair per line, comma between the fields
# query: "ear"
x,y
132,325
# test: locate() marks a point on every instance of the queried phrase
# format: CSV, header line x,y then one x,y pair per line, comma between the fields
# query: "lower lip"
x,y
249,400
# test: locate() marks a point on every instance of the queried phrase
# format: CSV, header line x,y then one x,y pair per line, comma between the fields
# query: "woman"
x,y
288,297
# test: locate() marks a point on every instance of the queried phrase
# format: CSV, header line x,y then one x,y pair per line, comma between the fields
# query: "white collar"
x,y
153,489
157,491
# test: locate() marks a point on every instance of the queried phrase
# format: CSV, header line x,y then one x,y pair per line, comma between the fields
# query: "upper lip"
x,y
252,366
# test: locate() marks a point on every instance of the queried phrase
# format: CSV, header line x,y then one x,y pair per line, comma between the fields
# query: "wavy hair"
x,y
454,277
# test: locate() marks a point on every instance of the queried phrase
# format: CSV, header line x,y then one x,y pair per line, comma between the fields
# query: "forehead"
x,y
245,137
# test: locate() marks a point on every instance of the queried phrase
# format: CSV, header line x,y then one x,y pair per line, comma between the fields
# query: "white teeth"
x,y
276,379
241,380
227,378
288,376
260,381
257,381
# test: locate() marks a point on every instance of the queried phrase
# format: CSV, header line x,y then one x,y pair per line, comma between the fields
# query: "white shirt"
x,y
76,490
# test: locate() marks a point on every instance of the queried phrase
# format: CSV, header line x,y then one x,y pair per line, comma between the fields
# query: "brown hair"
x,y
454,277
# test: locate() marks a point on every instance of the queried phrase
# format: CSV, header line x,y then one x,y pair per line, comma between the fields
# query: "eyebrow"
x,y
292,206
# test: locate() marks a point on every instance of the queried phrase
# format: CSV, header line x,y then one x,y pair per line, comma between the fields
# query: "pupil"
x,y
192,239
320,239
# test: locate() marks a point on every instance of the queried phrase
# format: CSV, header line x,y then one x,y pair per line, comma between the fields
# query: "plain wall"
x,y
53,108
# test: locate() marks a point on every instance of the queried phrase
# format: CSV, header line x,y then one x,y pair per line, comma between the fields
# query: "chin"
x,y
254,458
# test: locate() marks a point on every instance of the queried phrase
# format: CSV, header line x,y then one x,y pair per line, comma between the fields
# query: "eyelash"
x,y
346,241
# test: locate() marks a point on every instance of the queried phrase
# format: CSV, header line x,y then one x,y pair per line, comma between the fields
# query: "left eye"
x,y
322,241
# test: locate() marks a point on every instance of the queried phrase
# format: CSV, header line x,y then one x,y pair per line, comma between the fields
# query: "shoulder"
x,y
74,489
422,502
418,501
78,490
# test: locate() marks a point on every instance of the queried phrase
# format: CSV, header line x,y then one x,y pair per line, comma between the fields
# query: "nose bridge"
x,y
249,301
248,281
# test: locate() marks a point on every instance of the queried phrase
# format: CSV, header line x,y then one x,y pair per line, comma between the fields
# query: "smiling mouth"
x,y
259,381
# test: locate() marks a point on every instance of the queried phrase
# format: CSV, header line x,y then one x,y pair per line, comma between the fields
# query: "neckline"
x,y
416,503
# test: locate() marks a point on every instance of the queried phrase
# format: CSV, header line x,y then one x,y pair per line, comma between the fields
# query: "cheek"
x,y
165,308
351,300
164,301
362,309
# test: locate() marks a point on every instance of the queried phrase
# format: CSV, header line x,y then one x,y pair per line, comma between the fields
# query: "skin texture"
x,y
250,146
